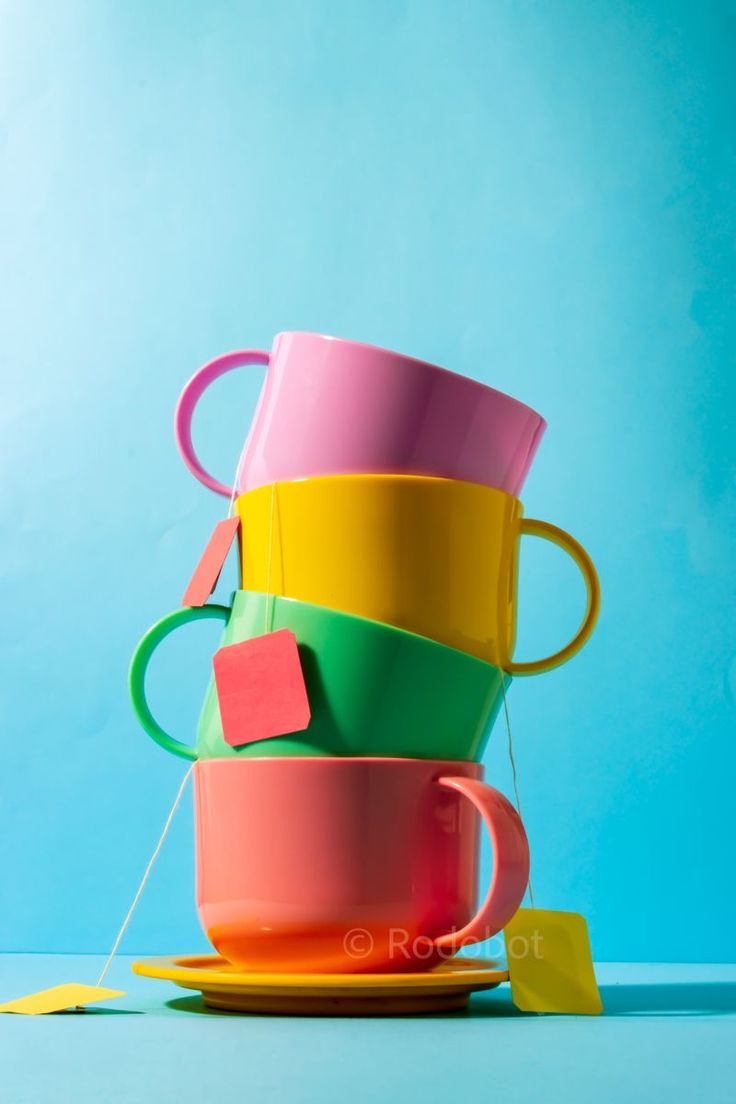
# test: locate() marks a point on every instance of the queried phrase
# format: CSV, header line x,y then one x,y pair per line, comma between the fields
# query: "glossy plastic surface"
x,y
436,557
191,395
372,689
350,865
139,665
330,406
222,985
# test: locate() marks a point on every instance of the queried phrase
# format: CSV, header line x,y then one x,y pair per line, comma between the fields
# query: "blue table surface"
x,y
668,1034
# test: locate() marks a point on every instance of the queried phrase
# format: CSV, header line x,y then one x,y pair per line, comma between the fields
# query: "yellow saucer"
x,y
446,988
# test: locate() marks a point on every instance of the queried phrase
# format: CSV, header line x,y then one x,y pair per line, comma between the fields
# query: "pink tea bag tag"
x,y
261,688
207,571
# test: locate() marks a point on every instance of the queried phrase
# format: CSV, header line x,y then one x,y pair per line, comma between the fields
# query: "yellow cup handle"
x,y
532,528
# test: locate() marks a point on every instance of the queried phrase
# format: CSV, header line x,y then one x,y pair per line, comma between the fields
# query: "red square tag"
x,y
261,689
207,571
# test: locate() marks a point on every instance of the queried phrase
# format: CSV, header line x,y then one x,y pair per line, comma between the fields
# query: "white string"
x,y
233,496
144,879
185,779
270,557
513,768
234,492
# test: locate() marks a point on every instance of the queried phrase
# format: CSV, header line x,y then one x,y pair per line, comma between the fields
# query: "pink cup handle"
x,y
510,866
191,395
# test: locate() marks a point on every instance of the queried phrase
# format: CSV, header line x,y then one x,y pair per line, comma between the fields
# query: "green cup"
x,y
373,690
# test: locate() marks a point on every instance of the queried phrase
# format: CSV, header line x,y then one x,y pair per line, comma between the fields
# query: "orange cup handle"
x,y
510,863
531,528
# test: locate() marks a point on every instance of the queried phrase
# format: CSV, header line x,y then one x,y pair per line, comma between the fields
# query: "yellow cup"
x,y
437,557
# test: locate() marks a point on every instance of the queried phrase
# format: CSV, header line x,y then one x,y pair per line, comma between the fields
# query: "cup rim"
x,y
241,594
386,477
442,765
468,380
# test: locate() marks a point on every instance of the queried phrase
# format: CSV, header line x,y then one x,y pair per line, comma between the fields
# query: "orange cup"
x,y
350,865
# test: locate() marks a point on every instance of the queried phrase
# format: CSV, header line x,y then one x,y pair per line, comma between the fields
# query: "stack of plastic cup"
x,y
380,524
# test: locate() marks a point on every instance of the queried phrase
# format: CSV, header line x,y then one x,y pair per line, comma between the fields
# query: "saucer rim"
x,y
460,972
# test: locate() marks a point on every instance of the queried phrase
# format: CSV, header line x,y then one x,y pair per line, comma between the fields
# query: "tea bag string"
x,y
234,492
180,792
268,612
146,875
512,760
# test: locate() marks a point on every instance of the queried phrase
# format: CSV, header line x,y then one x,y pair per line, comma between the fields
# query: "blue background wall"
x,y
536,194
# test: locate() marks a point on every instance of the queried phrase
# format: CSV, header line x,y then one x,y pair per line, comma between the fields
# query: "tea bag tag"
x,y
72,996
207,571
261,688
550,963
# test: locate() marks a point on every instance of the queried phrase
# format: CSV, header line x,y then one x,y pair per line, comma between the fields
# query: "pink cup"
x,y
350,865
334,407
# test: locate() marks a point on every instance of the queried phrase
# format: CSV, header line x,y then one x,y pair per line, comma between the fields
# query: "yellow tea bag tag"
x,y
59,998
550,963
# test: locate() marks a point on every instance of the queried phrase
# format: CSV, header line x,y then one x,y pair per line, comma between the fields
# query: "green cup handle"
x,y
139,665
